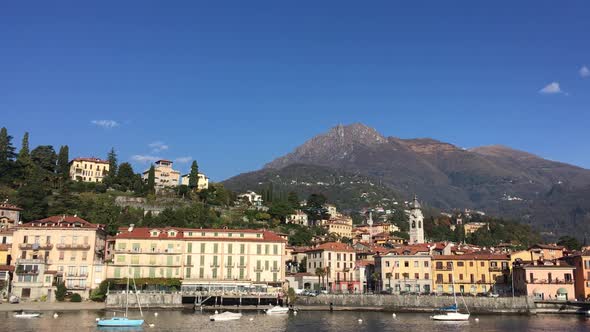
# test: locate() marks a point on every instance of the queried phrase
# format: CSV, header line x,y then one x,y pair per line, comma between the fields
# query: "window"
x,y
189,247
460,276
120,245
120,259
202,248
386,263
242,248
439,278
426,264
230,248
460,263
84,255
426,276
406,264
258,249
416,276
416,264
482,264
275,249
61,256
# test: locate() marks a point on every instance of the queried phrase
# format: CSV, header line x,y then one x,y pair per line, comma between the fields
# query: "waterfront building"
x,y
548,251
202,181
57,249
6,272
405,271
88,169
9,215
204,259
337,261
581,262
165,175
544,279
474,273
416,221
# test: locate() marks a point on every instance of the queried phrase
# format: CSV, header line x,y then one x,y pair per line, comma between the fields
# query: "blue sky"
x,y
236,84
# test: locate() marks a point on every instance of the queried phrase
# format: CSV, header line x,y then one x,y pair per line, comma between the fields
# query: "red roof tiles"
x,y
63,221
92,160
333,246
182,234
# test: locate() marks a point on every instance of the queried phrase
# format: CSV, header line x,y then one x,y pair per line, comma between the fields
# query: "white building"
x,y
165,176
299,218
252,197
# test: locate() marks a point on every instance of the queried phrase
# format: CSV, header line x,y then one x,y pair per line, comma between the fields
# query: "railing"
x,y
444,268
275,269
258,269
76,275
33,261
23,272
140,251
35,246
546,282
63,246
214,265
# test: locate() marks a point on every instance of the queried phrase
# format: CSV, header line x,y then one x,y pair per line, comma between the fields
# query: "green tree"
x,y
320,273
76,298
64,202
293,199
302,267
6,148
193,177
125,176
60,292
280,210
151,181
44,156
112,174
315,207
63,162
24,153
570,242
33,195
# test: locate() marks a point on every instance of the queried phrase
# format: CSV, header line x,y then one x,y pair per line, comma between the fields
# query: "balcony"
x,y
258,269
35,246
229,265
76,276
275,269
548,282
242,266
444,268
499,269
42,261
22,272
63,246
214,265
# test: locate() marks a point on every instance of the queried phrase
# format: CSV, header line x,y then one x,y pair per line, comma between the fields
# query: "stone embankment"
x,y
414,303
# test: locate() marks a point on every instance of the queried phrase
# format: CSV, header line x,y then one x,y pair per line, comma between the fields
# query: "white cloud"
x,y
183,159
105,123
158,146
144,158
584,71
551,88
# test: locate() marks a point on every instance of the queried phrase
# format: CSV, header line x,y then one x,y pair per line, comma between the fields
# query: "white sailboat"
x,y
452,313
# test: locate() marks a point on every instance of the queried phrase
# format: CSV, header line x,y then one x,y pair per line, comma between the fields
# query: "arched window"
x,y
419,224
413,224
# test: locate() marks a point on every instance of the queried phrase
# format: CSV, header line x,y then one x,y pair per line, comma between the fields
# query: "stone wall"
x,y
422,303
147,300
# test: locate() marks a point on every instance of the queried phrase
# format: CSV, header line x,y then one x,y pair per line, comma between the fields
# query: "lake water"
x,y
304,321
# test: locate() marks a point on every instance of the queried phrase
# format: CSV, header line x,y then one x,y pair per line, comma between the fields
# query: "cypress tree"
x,y
151,182
193,178
112,158
24,153
63,160
6,148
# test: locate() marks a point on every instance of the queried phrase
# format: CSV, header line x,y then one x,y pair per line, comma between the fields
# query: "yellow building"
x,y
341,229
65,249
88,169
472,273
409,272
337,260
165,176
200,257
202,181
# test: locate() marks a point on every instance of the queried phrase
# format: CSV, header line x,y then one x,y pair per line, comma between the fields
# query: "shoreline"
x,y
52,306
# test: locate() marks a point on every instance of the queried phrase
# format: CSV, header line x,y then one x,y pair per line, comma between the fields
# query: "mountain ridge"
x,y
495,178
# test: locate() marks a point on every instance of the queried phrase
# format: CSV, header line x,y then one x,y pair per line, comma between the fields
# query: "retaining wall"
x,y
147,300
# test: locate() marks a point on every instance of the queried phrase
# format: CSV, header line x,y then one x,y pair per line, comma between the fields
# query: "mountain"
x,y
496,179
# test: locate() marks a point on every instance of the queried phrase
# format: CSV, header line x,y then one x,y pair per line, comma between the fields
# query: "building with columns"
x,y
416,220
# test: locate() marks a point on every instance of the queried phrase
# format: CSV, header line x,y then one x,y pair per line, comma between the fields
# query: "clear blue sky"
x,y
236,84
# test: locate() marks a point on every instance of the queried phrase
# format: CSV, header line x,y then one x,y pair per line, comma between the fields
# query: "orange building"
x,y
544,279
581,262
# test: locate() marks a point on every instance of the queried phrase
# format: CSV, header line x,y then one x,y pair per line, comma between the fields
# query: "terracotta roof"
x,y
63,221
7,206
92,160
145,233
164,160
333,246
7,268
483,256
364,263
547,246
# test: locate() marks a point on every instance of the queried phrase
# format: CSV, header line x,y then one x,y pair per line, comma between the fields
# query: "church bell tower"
x,y
416,222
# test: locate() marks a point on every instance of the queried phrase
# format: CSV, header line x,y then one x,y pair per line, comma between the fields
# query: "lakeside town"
x,y
323,251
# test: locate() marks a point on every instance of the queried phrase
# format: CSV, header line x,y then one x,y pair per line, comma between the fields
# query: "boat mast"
x,y
127,293
137,297
453,281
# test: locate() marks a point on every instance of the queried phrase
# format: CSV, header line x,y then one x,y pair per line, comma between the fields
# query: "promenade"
x,y
52,306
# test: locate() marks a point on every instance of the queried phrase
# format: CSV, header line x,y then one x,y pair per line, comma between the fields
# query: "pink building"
x,y
544,279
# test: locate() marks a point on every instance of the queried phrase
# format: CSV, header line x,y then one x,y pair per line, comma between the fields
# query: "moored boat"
x,y
119,322
225,316
24,314
277,310
451,316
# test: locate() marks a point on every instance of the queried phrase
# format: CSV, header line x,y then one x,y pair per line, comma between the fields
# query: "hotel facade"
x,y
88,169
204,259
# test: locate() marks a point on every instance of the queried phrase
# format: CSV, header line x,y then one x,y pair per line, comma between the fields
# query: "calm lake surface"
x,y
304,321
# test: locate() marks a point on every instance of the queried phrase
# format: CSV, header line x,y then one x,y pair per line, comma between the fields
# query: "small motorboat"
x,y
119,322
451,316
277,310
24,314
225,316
